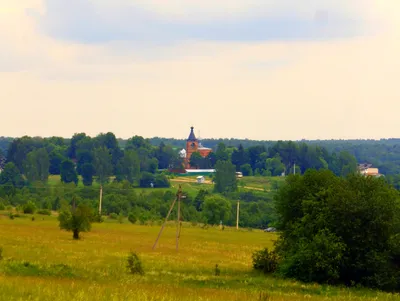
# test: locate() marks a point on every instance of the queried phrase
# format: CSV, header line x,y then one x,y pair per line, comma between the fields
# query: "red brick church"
x,y
194,145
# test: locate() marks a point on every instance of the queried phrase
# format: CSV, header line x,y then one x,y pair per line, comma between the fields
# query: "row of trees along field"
x,y
383,153
138,161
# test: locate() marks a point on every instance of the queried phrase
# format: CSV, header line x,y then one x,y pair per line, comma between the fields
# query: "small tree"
x,y
76,219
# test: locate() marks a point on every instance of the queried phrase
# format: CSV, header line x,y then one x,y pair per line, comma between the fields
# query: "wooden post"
x,y
178,198
237,215
101,196
162,228
179,218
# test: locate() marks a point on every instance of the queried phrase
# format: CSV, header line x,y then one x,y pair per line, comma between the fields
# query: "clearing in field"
x,y
40,262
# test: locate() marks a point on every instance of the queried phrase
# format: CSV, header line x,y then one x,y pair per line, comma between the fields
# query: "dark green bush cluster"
x,y
265,261
134,264
132,218
29,208
339,230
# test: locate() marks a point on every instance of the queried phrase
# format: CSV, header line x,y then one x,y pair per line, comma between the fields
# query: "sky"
x,y
256,69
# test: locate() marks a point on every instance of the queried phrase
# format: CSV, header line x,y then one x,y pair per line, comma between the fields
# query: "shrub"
x,y
97,218
113,216
29,208
132,218
265,261
44,212
2,207
11,215
134,264
121,218
217,270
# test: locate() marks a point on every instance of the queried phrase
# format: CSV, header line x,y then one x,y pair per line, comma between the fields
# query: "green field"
x,y
41,262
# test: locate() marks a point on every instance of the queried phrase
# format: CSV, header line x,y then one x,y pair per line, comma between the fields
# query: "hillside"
x,y
43,263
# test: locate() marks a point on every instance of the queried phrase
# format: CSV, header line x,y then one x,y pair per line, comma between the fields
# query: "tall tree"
x,y
128,167
225,177
72,150
222,153
87,173
102,164
11,175
56,158
37,165
216,209
239,157
68,172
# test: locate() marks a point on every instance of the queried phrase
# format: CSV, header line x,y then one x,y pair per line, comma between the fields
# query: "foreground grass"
x,y
43,263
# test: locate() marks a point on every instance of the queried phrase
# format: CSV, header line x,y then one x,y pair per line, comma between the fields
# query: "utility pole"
x,y
178,198
179,195
237,215
101,196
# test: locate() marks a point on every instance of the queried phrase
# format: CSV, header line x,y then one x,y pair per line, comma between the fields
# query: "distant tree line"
x,y
101,157
94,159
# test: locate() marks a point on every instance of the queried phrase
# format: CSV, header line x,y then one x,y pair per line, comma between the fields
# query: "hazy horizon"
x,y
257,70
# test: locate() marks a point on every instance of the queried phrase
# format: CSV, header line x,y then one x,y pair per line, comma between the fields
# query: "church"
x,y
193,145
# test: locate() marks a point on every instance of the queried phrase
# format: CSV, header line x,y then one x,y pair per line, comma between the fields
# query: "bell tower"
x,y
192,145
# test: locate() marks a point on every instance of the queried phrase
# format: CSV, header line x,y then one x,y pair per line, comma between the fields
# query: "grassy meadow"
x,y
41,262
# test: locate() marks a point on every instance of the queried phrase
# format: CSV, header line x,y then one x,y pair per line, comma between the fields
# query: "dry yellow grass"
x,y
96,265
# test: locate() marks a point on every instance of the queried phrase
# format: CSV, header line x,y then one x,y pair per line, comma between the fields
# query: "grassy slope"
x,y
96,265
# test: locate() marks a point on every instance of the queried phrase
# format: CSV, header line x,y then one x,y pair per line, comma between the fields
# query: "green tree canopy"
x,y
37,165
102,164
216,208
76,219
68,172
339,230
225,177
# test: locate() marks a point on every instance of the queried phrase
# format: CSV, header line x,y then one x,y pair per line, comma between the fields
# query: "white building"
x,y
200,179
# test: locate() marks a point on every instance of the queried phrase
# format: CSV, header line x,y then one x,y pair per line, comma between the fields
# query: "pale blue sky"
x,y
258,69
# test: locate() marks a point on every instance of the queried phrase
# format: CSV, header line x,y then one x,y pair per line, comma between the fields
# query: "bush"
x,y
113,216
44,212
2,207
97,218
121,218
132,218
134,264
29,208
265,261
